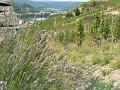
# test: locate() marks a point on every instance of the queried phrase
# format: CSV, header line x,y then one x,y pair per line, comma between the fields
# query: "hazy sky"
x,y
62,0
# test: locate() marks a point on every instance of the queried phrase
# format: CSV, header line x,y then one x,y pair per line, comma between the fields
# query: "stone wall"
x,y
8,21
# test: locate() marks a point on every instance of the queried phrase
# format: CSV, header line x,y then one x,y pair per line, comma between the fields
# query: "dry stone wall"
x,y
8,21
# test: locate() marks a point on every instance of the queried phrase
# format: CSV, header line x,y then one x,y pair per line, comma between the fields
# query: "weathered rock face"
x,y
5,2
8,20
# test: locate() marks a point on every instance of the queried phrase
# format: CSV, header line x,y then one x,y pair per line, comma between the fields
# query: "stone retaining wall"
x,y
8,21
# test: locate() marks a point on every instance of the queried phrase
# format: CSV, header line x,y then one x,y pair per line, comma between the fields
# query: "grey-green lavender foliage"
x,y
35,66
30,69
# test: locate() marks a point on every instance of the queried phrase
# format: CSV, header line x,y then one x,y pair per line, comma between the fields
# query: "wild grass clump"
x,y
100,60
97,85
106,72
116,64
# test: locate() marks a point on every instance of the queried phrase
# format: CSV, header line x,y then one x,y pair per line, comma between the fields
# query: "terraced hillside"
x,y
68,52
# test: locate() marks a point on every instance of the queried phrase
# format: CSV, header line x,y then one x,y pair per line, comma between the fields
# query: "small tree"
x,y
80,33
77,12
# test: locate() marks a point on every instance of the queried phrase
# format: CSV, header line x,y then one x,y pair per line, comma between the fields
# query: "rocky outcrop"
x,y
3,85
5,3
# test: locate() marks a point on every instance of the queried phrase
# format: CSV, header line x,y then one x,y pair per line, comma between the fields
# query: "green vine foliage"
x,y
95,30
105,28
116,31
64,37
80,33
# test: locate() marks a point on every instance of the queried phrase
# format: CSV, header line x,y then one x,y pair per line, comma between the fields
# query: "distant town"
x,y
42,14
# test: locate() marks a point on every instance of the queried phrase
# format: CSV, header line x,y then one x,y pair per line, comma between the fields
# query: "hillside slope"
x,y
23,7
66,52
50,4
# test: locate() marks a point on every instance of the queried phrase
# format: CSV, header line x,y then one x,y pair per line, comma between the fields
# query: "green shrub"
x,y
69,14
